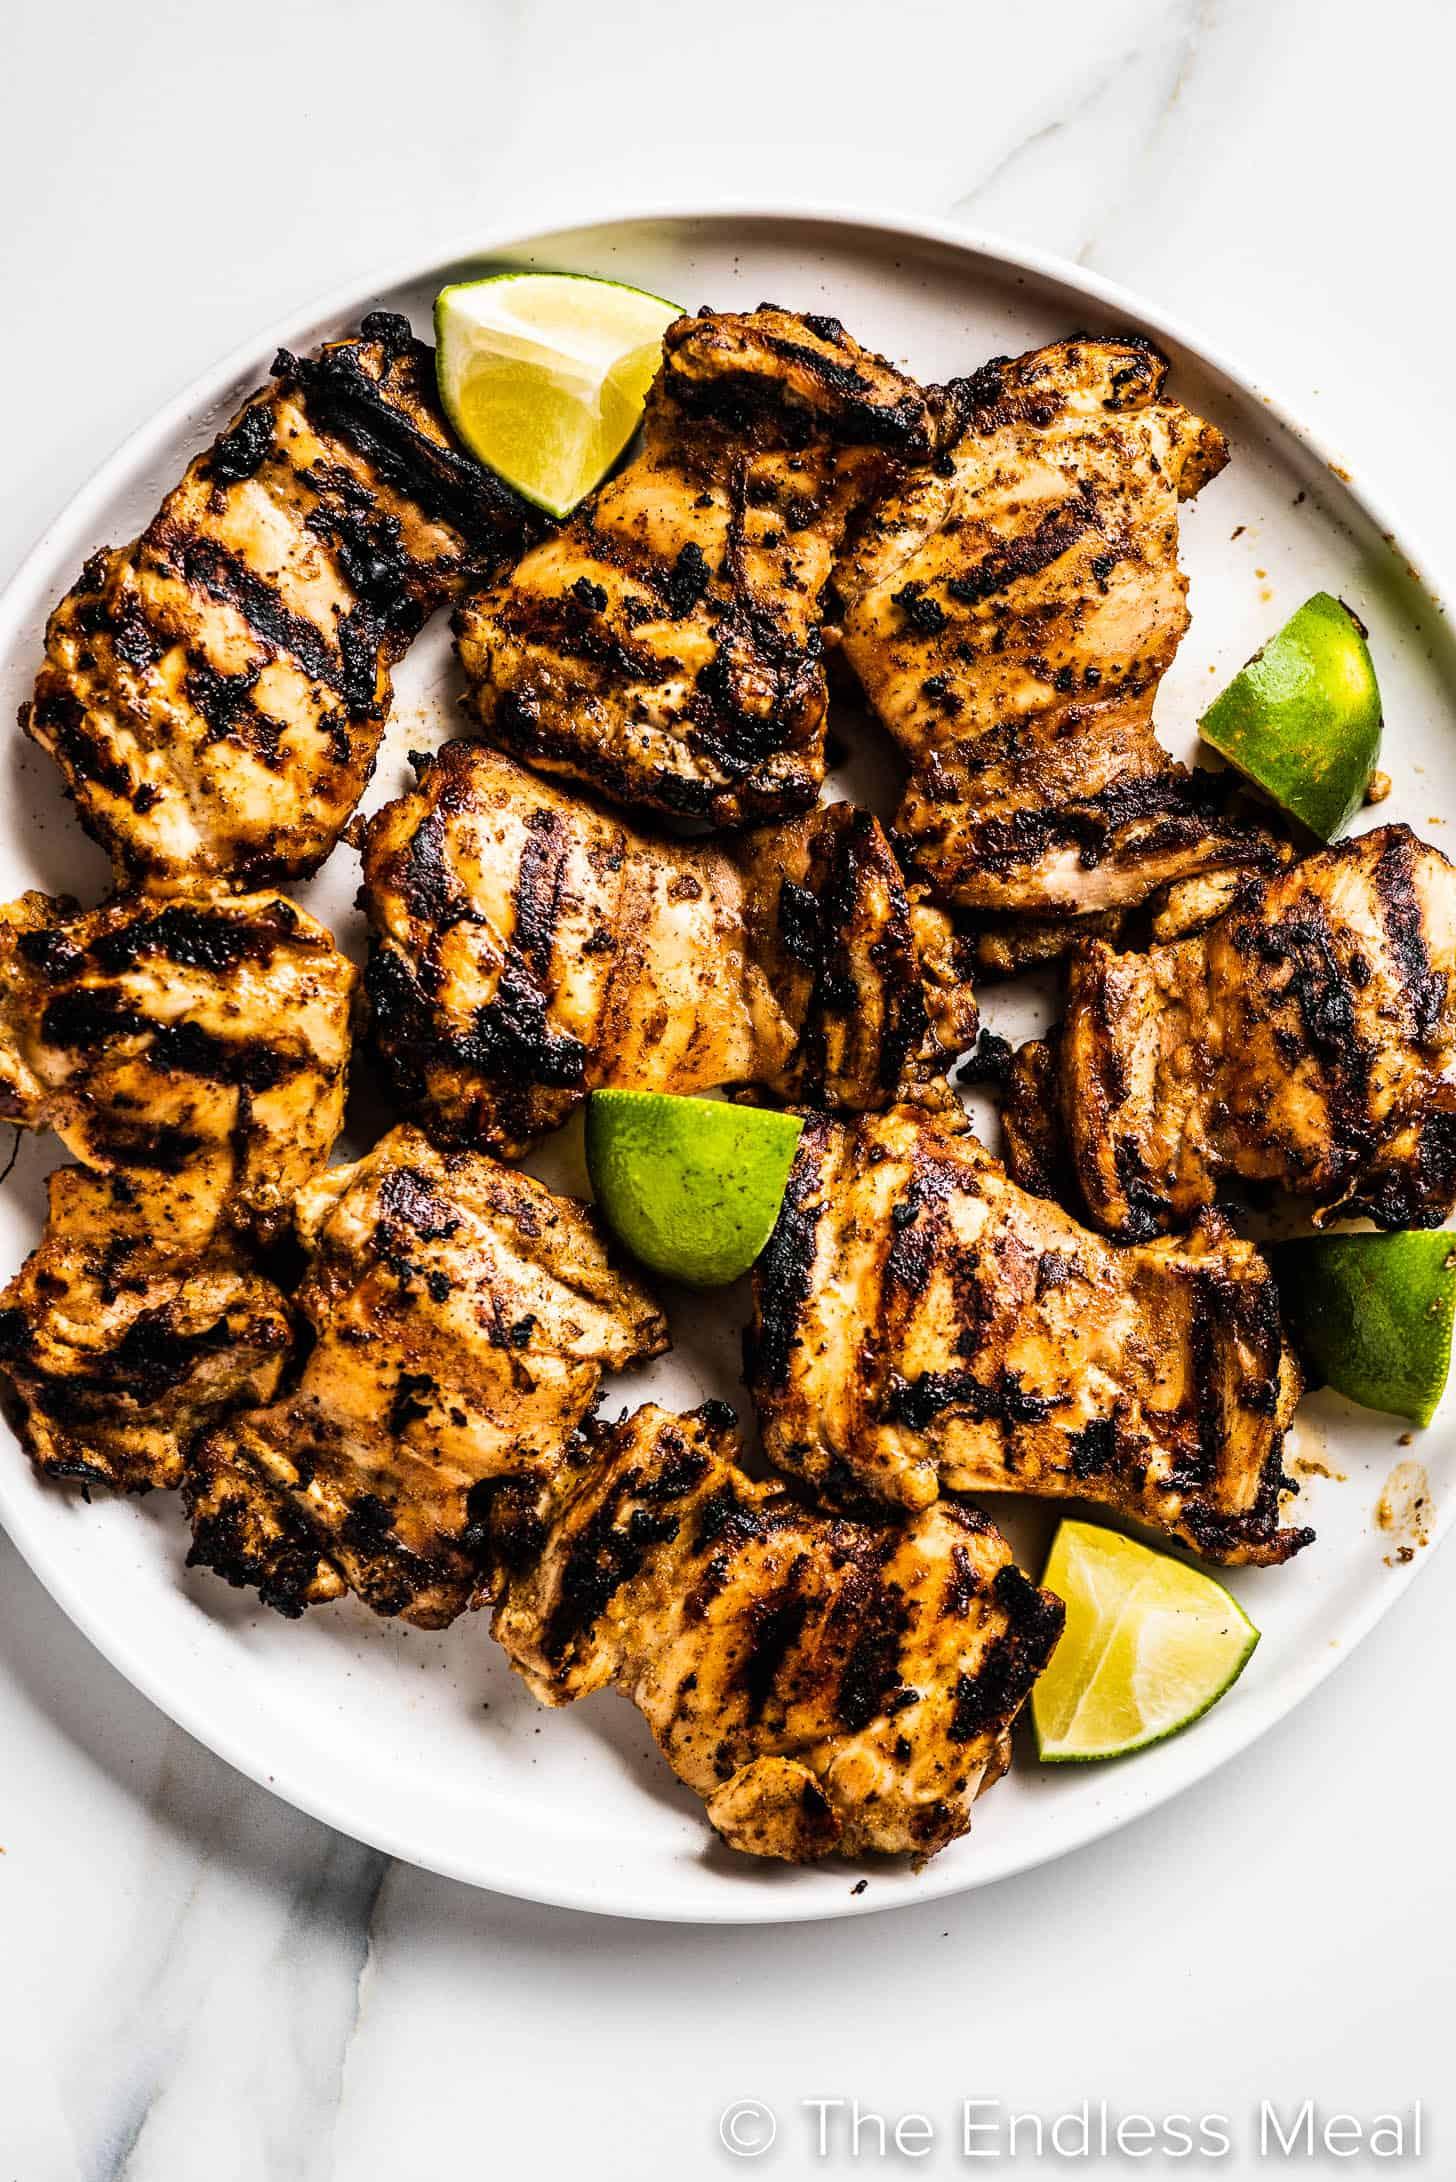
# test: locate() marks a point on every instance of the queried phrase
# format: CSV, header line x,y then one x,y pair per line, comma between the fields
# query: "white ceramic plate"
x,y
424,1744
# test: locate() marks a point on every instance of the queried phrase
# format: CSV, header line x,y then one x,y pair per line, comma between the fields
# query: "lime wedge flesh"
x,y
1372,1315
691,1186
543,375
1302,719
1149,1645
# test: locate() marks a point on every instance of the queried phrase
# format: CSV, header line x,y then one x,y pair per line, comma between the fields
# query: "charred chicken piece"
x,y
664,647
1010,612
215,692
197,1035
827,1686
923,1324
129,1329
1307,1039
463,1318
529,948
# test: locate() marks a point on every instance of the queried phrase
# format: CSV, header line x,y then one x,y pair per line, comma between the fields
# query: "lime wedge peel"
x,y
1372,1315
1302,720
543,375
1148,1646
691,1186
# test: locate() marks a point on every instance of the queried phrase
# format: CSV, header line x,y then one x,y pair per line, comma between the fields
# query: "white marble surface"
x,y
194,1981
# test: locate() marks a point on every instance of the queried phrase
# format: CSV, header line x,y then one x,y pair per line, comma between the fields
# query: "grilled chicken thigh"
x,y
1010,612
528,948
827,1686
132,1326
1308,1039
921,1323
664,648
463,1318
197,1036
215,692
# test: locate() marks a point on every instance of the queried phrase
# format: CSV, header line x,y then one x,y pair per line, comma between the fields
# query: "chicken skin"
x,y
529,948
664,648
199,1036
463,1317
826,1686
1010,612
125,1333
1307,1039
214,693
922,1324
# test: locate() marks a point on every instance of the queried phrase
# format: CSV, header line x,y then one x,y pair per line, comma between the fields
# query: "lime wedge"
x,y
1372,1315
1149,1645
691,1186
1302,719
543,375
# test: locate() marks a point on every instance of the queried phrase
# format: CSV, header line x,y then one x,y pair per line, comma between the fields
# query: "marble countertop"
x,y
199,1985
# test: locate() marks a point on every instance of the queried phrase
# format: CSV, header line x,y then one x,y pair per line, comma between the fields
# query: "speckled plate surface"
x,y
424,1744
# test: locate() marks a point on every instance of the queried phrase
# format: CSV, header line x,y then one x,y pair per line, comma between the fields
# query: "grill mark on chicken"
x,y
826,1686
919,1401
1198,1473
1152,1378
964,1583
151,1358
1181,807
1305,1039
784,1270
411,1204
214,692
817,929
117,1145
1052,535
856,408
881,1615
573,625
348,668
78,1022
727,729
463,1317
774,1627
613,1549
194,937
1327,1014
538,888
512,1041
677,581
527,948
511,1045
665,649
1013,1660
1426,988
428,886
225,702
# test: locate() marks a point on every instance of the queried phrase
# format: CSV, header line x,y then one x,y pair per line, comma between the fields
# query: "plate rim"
x,y
1201,1755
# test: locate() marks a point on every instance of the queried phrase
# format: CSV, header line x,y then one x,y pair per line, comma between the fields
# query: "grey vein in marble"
x,y
224,2053
1064,182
